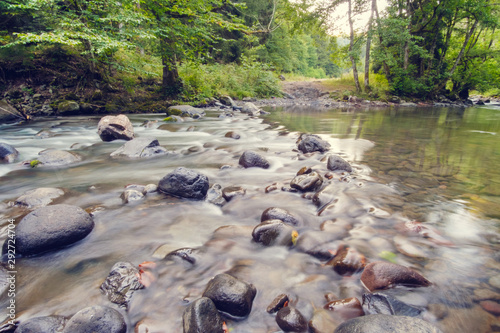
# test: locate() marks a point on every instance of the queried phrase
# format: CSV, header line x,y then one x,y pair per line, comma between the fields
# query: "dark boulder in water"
x,y
230,295
337,163
275,213
383,275
202,316
121,283
185,183
385,323
51,227
309,143
273,232
378,303
96,319
112,128
289,319
307,182
42,324
8,153
251,159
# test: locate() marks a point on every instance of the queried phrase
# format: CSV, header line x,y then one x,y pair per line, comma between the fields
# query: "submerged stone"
x,y
8,153
275,213
57,157
347,308
273,232
122,281
385,323
251,159
141,147
39,197
96,319
383,275
42,324
378,303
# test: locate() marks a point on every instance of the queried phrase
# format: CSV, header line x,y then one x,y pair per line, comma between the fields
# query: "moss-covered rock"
x,y
68,107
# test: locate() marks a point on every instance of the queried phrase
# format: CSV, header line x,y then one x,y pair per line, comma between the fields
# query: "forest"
x,y
198,49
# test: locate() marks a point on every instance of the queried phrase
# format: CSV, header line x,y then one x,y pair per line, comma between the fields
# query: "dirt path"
x,y
305,89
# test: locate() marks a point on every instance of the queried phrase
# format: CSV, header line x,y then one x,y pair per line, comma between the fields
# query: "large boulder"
x,y
250,108
68,107
112,128
251,159
309,143
231,295
7,153
39,197
8,112
42,324
185,183
202,316
385,323
121,283
57,157
96,319
383,275
185,111
140,148
337,163
52,227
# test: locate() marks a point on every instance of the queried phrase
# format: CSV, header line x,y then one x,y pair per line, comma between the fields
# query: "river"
x,y
438,166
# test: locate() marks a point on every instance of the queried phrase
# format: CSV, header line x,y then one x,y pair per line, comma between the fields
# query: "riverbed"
x,y
437,166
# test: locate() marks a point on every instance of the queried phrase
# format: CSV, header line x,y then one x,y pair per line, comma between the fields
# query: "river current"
x,y
438,166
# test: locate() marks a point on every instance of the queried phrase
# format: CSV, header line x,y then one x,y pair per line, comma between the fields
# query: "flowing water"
x,y
434,165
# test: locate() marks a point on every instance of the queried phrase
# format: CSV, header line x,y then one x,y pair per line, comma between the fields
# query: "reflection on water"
x,y
437,166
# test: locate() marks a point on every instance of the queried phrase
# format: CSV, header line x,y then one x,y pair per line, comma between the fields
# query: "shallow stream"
x,y
438,166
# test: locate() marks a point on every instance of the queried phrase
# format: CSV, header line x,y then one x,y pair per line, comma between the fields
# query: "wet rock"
x,y
251,159
57,157
347,308
214,195
307,182
325,196
185,111
491,306
52,227
309,143
202,316
232,135
129,196
273,232
318,244
8,153
39,197
68,107
304,171
141,147
96,319
383,275
47,324
151,188
112,128
279,302
378,303
8,112
385,323
121,283
275,213
185,254
337,163
250,108
486,294
232,191
226,100
347,261
230,295
185,183
290,319
171,119
322,322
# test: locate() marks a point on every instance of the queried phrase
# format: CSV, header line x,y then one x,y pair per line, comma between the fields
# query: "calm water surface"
x,y
434,165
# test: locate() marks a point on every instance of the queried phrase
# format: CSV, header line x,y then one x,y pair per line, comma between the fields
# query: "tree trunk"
x,y
460,54
351,44
407,43
368,46
384,63
171,81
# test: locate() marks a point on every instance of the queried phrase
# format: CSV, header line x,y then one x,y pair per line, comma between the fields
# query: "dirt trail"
x,y
305,89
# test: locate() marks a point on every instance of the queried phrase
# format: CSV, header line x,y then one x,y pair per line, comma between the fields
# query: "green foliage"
x,y
248,80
